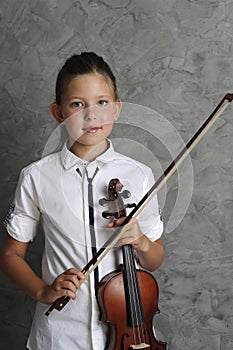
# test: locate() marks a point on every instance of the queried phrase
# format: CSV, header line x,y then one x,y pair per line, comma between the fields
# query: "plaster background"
x,y
174,56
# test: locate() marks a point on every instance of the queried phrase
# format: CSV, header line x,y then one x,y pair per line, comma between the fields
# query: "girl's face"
x,y
89,109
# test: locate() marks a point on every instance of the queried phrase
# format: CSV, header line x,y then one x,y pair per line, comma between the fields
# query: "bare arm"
x,y
150,253
13,264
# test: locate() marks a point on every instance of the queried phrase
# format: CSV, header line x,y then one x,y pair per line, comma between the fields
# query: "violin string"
x,y
128,264
135,301
133,290
128,289
137,307
141,325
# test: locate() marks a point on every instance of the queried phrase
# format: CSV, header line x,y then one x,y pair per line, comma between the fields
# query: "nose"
x,y
90,114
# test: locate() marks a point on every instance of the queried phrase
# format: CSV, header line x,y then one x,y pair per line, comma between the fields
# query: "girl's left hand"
x,y
131,233
149,253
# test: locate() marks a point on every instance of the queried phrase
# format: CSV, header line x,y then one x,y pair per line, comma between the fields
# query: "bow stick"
x,y
111,242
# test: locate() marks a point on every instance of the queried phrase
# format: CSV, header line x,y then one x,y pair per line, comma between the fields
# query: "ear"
x,y
55,110
118,109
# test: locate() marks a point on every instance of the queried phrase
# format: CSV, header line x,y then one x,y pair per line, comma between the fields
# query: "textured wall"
x,y
174,56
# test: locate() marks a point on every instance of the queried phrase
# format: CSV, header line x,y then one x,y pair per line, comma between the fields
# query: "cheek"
x,y
73,126
107,128
107,117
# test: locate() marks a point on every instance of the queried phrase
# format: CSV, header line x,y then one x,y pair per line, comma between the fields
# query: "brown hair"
x,y
86,62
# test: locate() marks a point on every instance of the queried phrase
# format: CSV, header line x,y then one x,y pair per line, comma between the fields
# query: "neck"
x,y
89,153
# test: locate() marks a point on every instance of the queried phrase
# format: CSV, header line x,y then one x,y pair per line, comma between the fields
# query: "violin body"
x,y
114,311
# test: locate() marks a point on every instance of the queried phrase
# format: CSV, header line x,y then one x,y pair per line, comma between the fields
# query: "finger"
x,y
65,293
115,222
53,293
74,279
71,271
72,274
112,223
80,275
63,279
70,285
77,280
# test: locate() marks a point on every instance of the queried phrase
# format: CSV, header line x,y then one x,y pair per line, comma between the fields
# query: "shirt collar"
x,y
70,160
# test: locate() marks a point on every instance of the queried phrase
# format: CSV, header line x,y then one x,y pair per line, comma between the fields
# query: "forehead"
x,y
88,85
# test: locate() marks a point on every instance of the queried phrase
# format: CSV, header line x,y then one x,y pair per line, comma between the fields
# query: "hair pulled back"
x,y
86,62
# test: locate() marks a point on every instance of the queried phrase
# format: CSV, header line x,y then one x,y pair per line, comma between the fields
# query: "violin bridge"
x,y
140,346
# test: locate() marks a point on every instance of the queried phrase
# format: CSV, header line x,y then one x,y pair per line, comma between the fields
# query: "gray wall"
x,y
174,56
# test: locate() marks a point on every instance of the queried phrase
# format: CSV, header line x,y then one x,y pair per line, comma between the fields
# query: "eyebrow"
x,y
83,98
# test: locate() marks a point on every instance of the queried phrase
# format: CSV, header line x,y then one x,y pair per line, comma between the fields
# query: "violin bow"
x,y
111,242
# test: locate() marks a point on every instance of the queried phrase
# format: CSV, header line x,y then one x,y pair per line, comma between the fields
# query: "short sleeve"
x,y
24,214
150,219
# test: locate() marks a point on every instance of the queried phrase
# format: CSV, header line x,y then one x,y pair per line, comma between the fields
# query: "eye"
x,y
77,104
102,103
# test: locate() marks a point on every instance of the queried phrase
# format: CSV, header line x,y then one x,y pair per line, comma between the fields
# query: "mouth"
x,y
92,129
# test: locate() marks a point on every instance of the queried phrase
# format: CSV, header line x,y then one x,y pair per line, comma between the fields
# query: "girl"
x,y
63,192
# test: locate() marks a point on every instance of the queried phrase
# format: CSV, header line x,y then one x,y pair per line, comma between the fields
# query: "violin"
x,y
127,297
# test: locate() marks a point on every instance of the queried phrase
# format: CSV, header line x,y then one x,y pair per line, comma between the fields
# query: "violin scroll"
x,y
117,208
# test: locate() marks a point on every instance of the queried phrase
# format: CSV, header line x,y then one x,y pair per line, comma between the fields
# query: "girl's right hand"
x,y
66,284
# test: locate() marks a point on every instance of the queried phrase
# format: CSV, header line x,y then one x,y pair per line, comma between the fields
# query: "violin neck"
x,y
132,291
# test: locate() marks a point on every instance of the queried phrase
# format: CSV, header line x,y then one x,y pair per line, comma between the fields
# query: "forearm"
x,y
150,254
16,268
20,273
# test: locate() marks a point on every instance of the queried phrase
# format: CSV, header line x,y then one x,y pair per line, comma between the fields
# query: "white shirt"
x,y
55,191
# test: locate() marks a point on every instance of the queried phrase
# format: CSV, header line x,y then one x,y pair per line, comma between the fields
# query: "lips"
x,y
92,129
